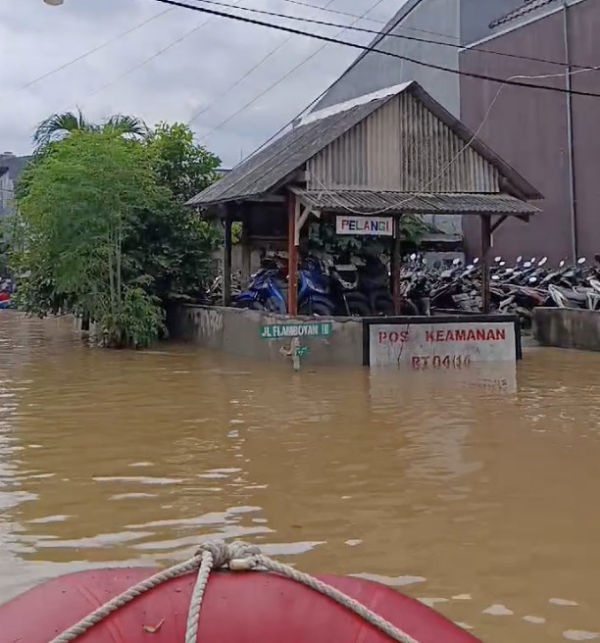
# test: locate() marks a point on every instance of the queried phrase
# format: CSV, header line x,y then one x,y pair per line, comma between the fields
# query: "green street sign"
x,y
302,329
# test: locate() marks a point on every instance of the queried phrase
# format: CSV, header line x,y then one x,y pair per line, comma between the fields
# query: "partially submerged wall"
x,y
419,343
567,328
238,331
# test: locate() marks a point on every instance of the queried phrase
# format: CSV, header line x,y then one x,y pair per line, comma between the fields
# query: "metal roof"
x,y
374,202
527,7
264,170
268,169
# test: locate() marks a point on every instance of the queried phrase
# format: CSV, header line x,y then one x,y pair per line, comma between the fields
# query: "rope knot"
x,y
224,553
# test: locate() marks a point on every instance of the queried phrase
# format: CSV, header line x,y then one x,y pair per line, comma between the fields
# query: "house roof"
x,y
271,167
388,202
264,170
527,7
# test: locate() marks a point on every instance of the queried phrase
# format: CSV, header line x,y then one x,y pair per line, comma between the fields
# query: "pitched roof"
x,y
527,7
263,171
269,168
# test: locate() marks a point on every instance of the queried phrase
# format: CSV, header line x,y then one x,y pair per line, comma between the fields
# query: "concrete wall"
x,y
238,332
528,129
566,328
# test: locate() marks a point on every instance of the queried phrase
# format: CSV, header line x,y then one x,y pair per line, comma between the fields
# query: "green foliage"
x,y
172,245
58,126
413,229
102,230
186,168
81,203
322,236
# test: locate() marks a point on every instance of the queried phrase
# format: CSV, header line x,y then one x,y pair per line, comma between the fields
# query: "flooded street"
x,y
482,503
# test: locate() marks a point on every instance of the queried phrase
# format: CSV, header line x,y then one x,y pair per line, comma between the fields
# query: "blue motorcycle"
x,y
314,294
266,291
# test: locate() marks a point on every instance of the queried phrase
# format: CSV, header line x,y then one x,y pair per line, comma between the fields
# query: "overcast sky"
x,y
203,56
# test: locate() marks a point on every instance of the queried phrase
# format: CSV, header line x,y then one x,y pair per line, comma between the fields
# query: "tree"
x,y
186,168
102,230
81,204
173,244
58,126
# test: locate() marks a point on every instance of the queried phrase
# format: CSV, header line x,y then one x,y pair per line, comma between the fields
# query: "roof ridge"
x,y
527,7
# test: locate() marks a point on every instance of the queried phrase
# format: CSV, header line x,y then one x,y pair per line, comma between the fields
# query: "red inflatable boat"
x,y
237,608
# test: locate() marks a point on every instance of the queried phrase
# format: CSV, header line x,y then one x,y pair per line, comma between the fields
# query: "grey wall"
x,y
528,128
476,15
566,328
238,332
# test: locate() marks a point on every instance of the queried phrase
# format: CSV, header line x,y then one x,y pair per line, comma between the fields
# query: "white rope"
x,y
238,556
122,599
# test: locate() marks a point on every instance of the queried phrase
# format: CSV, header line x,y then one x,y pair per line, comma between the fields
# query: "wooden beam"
x,y
397,267
498,223
227,259
246,247
268,198
292,256
486,242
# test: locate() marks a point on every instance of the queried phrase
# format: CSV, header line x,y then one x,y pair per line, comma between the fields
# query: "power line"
x,y
354,45
94,50
155,55
354,15
281,79
388,34
242,78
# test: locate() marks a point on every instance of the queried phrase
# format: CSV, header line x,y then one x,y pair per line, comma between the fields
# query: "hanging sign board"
x,y
441,346
366,226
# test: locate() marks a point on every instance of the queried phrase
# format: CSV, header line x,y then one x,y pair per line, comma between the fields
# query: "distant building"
x,y
11,167
551,138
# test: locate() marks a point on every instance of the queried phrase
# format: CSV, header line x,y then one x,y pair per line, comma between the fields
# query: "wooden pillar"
x,y
486,244
246,249
397,267
227,259
292,256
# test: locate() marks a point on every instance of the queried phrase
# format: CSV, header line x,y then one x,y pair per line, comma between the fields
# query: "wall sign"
x,y
449,345
367,226
299,329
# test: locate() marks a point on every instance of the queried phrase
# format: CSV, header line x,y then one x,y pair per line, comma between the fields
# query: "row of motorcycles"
x,y
360,286
515,289
354,286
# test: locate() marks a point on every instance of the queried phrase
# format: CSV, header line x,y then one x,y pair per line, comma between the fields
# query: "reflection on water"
x,y
480,500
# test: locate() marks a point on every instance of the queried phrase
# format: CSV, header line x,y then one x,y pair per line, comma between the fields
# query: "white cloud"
x,y
187,77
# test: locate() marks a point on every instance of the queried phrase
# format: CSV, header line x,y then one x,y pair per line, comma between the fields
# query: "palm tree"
x,y
59,126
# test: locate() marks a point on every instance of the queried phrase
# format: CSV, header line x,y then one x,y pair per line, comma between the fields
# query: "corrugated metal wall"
x,y
402,146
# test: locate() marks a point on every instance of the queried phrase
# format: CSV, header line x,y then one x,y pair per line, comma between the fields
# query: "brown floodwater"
x,y
482,501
